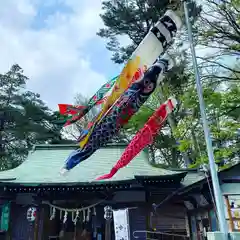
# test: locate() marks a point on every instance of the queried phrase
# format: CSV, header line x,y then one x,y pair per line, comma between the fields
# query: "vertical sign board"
x,y
5,217
121,224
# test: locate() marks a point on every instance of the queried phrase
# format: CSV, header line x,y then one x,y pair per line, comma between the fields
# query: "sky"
x,y
55,43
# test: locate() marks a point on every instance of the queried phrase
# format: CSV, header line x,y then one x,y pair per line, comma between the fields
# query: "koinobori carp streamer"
x,y
126,106
144,137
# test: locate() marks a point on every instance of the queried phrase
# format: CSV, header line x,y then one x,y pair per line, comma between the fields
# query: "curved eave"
x,y
231,180
177,178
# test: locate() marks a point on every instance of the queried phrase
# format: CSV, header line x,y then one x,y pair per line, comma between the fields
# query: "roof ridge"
x,y
64,146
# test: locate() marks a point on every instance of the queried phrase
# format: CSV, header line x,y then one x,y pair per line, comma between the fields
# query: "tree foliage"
x,y
217,32
25,120
223,113
132,19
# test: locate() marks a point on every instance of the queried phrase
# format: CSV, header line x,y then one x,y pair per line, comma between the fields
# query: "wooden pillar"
x,y
148,213
36,225
108,231
231,225
187,225
45,222
108,220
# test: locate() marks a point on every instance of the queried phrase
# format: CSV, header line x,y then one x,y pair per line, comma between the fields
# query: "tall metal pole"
x,y
216,186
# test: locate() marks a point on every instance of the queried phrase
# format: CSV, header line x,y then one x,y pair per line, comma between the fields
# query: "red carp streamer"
x,y
66,109
144,137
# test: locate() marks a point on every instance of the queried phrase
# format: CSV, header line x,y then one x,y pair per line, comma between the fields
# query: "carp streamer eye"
x,y
149,88
146,82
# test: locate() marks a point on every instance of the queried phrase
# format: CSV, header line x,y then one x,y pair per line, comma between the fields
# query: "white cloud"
x,y
54,56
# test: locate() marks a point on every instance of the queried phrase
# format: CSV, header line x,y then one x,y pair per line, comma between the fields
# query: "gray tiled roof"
x,y
43,164
192,177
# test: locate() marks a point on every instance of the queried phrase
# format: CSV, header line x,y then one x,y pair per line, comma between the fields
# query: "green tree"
x,y
219,32
182,135
131,19
224,125
24,119
134,19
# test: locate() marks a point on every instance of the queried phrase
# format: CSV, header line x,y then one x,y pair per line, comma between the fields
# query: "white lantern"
x,y
31,214
108,212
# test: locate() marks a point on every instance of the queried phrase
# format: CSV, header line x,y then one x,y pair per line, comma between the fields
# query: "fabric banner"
x,y
5,217
121,224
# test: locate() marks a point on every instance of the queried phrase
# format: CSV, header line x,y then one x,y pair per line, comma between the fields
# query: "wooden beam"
x,y
108,229
45,225
36,226
231,225
231,194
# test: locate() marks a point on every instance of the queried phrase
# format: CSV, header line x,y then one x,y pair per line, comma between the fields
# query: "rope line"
x,y
72,210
